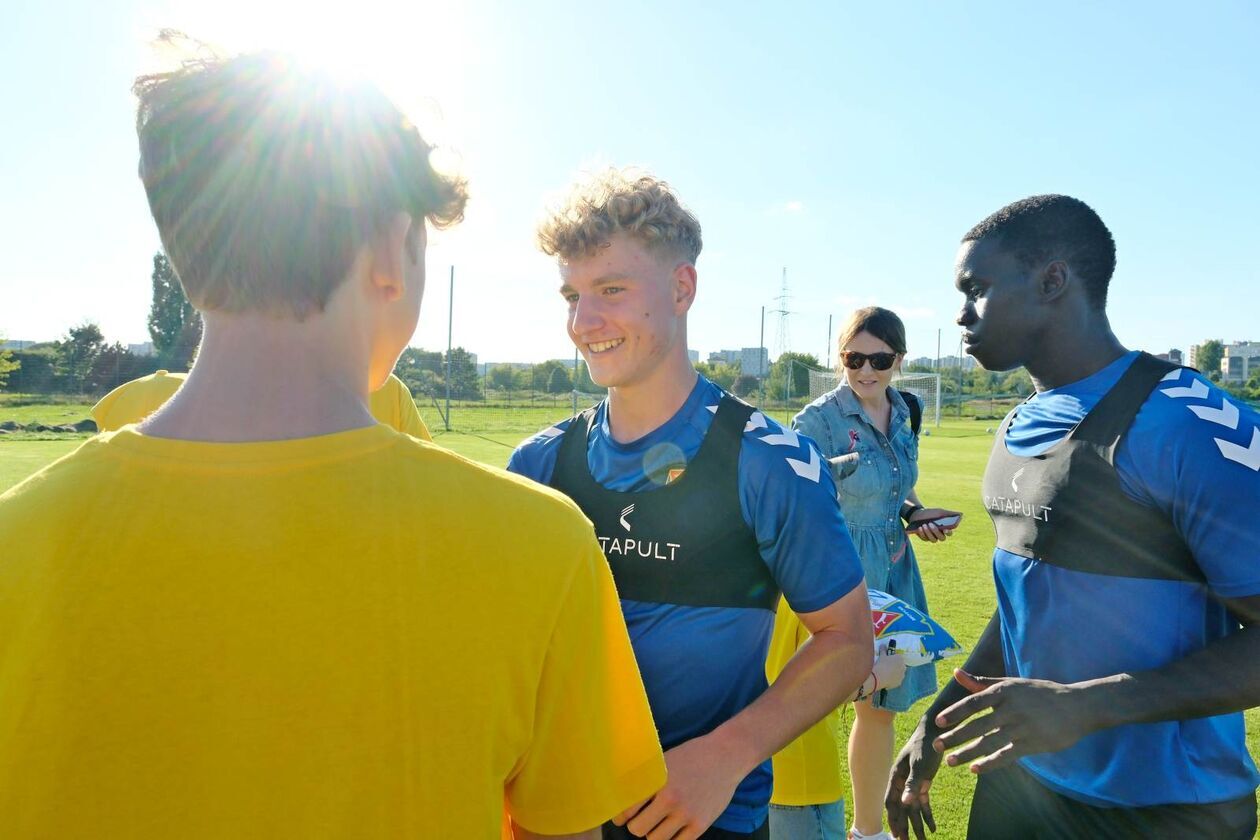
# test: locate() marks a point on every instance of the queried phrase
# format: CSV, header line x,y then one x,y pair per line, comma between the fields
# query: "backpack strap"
x,y
916,411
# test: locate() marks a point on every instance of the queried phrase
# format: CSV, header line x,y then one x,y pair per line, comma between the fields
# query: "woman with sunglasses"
x,y
863,428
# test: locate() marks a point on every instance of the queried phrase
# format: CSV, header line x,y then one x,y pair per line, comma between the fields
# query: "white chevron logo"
x,y
1172,376
550,432
1198,390
624,524
1248,456
788,438
755,422
1015,477
1226,415
809,470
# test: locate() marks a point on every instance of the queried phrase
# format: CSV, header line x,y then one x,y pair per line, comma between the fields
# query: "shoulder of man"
x,y
535,457
1199,426
773,451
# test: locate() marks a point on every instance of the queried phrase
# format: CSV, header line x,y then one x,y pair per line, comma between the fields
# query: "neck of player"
x,y
639,408
1077,350
260,378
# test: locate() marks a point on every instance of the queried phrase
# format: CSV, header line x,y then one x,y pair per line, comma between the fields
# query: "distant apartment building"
x,y
145,349
1173,356
947,362
694,356
754,361
1241,361
750,360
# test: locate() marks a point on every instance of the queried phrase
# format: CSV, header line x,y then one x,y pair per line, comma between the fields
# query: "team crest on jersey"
x,y
674,474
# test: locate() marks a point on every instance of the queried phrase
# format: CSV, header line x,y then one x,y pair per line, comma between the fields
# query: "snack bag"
x,y
909,631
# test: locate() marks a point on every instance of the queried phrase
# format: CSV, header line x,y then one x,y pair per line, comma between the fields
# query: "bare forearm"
x,y
1221,678
825,671
985,661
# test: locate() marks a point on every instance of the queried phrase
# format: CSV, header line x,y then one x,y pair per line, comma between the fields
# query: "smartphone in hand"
x,y
950,521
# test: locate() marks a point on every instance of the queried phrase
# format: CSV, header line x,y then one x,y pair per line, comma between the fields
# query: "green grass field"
x,y
957,573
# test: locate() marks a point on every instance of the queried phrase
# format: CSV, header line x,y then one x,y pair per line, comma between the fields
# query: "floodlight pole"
x,y
828,342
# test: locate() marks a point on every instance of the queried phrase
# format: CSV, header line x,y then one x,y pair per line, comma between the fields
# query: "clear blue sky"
x,y
850,142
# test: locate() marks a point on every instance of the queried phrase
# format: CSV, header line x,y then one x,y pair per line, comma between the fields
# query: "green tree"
x,y
799,364
115,365
744,385
174,325
1208,358
76,354
583,382
560,382
720,374
1017,382
7,364
506,378
465,383
540,376
422,371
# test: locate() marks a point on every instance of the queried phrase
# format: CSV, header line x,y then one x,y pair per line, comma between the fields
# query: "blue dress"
x,y
871,494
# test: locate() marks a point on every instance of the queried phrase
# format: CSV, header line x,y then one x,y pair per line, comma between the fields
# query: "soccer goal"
x,y
925,386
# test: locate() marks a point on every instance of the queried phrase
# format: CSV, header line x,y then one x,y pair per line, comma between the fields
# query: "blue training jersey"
x,y
698,660
1194,455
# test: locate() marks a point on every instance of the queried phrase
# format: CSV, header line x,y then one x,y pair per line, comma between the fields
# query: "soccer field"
x,y
956,573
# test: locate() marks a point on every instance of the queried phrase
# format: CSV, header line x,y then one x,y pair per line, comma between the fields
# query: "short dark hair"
x,y
266,178
879,322
1045,227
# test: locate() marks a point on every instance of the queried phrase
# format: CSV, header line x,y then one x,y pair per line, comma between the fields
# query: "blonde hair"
x,y
615,201
266,179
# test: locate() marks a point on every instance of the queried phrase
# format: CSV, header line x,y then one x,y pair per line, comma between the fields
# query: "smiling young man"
x,y
261,613
706,509
1125,643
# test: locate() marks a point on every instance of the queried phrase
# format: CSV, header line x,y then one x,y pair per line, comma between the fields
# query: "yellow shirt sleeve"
x,y
594,750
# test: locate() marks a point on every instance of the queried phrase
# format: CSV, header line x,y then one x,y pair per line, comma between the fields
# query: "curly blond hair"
x,y
619,201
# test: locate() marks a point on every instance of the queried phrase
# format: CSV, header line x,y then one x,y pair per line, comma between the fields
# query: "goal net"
x,y
925,386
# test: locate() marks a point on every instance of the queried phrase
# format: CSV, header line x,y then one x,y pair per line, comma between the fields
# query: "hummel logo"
x,y
1018,473
629,510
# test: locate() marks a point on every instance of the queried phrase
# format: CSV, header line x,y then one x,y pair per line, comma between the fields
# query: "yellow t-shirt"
x,y
131,402
353,635
806,771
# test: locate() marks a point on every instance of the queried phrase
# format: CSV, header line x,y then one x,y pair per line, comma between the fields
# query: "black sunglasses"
x,y
854,360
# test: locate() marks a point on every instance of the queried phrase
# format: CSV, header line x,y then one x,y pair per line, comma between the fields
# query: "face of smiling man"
x,y
627,311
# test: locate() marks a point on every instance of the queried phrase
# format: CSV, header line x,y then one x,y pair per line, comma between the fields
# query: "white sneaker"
x,y
854,834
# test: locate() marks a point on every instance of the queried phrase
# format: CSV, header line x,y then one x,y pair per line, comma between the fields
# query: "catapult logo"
x,y
1015,478
629,510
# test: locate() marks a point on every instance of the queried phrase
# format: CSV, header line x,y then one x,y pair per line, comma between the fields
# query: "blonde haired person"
x,y
262,614
864,428
706,509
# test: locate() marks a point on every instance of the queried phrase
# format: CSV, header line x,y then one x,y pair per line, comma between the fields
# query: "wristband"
x,y
861,695
908,510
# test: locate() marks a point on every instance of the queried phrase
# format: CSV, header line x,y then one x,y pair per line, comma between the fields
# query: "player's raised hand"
x,y
908,801
1025,717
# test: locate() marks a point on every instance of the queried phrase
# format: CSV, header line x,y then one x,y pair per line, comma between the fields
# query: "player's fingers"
x,y
988,745
647,819
626,815
668,829
1006,755
965,733
916,823
965,708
